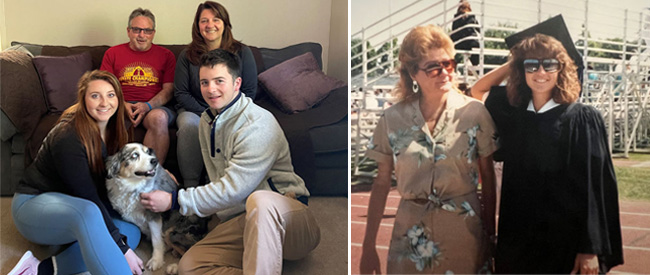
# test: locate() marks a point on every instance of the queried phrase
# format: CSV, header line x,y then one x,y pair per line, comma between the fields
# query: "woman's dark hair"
x,y
198,46
540,46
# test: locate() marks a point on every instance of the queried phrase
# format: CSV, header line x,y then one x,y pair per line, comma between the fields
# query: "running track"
x,y
635,223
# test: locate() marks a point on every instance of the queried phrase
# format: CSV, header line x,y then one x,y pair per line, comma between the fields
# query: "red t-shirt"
x,y
141,74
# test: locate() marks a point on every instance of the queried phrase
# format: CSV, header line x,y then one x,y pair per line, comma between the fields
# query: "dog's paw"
x,y
172,269
155,263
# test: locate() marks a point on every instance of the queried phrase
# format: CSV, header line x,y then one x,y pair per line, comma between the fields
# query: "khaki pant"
x,y
274,227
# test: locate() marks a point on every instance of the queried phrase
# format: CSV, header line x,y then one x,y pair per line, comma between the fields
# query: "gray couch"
x,y
317,139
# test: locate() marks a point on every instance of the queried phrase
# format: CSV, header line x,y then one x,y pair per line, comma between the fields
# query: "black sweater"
x,y
61,165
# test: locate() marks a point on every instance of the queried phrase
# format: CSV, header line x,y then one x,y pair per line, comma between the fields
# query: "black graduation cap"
x,y
554,27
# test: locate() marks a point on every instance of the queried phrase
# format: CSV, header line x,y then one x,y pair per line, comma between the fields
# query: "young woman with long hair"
x,y
559,203
61,200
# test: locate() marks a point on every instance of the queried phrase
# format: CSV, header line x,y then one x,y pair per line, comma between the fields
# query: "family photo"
x,y
324,137
174,137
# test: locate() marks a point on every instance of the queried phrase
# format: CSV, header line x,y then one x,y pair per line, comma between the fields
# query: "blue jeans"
x,y
58,219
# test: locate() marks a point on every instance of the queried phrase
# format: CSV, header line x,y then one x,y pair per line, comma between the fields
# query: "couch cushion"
x,y
59,77
298,83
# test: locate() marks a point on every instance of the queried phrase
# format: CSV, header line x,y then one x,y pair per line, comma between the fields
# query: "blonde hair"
x,y
415,47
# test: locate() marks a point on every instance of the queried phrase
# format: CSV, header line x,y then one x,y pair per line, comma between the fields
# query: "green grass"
x,y
633,183
632,156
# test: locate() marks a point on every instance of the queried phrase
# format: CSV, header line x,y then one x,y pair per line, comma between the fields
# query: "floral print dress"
x,y
438,226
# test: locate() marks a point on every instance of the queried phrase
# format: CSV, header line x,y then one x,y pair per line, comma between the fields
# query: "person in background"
x,y
559,204
437,141
62,197
260,201
146,73
211,30
461,28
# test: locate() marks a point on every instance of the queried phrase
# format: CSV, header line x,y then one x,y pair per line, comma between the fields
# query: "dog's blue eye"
x,y
135,155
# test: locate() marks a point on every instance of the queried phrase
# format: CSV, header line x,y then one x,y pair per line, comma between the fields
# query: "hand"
x,y
129,110
138,111
585,264
369,263
156,201
135,263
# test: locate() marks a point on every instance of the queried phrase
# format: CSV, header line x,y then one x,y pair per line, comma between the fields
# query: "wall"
x,y
338,52
271,24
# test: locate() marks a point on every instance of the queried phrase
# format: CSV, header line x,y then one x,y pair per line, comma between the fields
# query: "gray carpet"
x,y
330,257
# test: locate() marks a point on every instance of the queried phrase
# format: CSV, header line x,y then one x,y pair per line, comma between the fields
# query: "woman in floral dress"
x,y
438,142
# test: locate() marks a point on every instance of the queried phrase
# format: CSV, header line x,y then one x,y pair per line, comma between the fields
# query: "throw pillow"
x,y
59,76
298,83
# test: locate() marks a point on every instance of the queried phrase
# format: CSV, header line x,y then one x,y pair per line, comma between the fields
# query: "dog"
x,y
131,171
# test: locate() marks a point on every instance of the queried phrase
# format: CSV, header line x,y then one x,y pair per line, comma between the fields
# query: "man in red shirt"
x,y
146,73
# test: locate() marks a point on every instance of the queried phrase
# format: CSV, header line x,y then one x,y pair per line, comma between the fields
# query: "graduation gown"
x,y
559,194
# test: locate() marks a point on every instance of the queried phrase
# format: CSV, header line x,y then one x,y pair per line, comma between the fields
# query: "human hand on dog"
x,y
135,263
156,201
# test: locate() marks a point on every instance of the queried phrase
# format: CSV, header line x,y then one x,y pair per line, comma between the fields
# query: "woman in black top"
x,y
62,197
559,202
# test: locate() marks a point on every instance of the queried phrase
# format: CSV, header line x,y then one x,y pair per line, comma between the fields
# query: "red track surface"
x,y
635,222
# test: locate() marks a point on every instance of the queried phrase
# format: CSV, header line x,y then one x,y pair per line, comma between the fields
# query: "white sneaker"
x,y
28,265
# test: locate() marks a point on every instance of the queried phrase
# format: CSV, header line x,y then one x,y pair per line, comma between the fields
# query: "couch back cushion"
x,y
96,52
266,58
298,83
59,77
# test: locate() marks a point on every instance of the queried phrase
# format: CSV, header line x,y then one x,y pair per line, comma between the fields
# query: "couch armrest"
x,y
329,111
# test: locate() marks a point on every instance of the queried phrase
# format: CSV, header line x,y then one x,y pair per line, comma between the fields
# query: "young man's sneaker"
x,y
28,265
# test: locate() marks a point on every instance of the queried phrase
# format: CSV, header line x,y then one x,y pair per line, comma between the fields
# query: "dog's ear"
x,y
113,165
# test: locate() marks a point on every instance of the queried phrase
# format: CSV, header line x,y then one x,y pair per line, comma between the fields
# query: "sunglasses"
x,y
136,30
550,65
435,68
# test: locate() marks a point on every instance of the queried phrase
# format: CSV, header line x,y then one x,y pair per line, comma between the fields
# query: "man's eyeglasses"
x,y
136,30
550,65
434,69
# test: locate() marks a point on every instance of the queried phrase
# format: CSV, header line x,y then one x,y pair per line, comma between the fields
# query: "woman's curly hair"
x,y
540,46
415,47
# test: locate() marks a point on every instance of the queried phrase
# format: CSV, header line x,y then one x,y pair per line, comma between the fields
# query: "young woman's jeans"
x,y
57,219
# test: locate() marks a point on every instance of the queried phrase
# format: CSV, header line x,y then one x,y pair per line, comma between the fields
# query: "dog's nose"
x,y
154,161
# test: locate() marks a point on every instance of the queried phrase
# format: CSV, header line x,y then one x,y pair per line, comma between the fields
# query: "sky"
x,y
606,18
